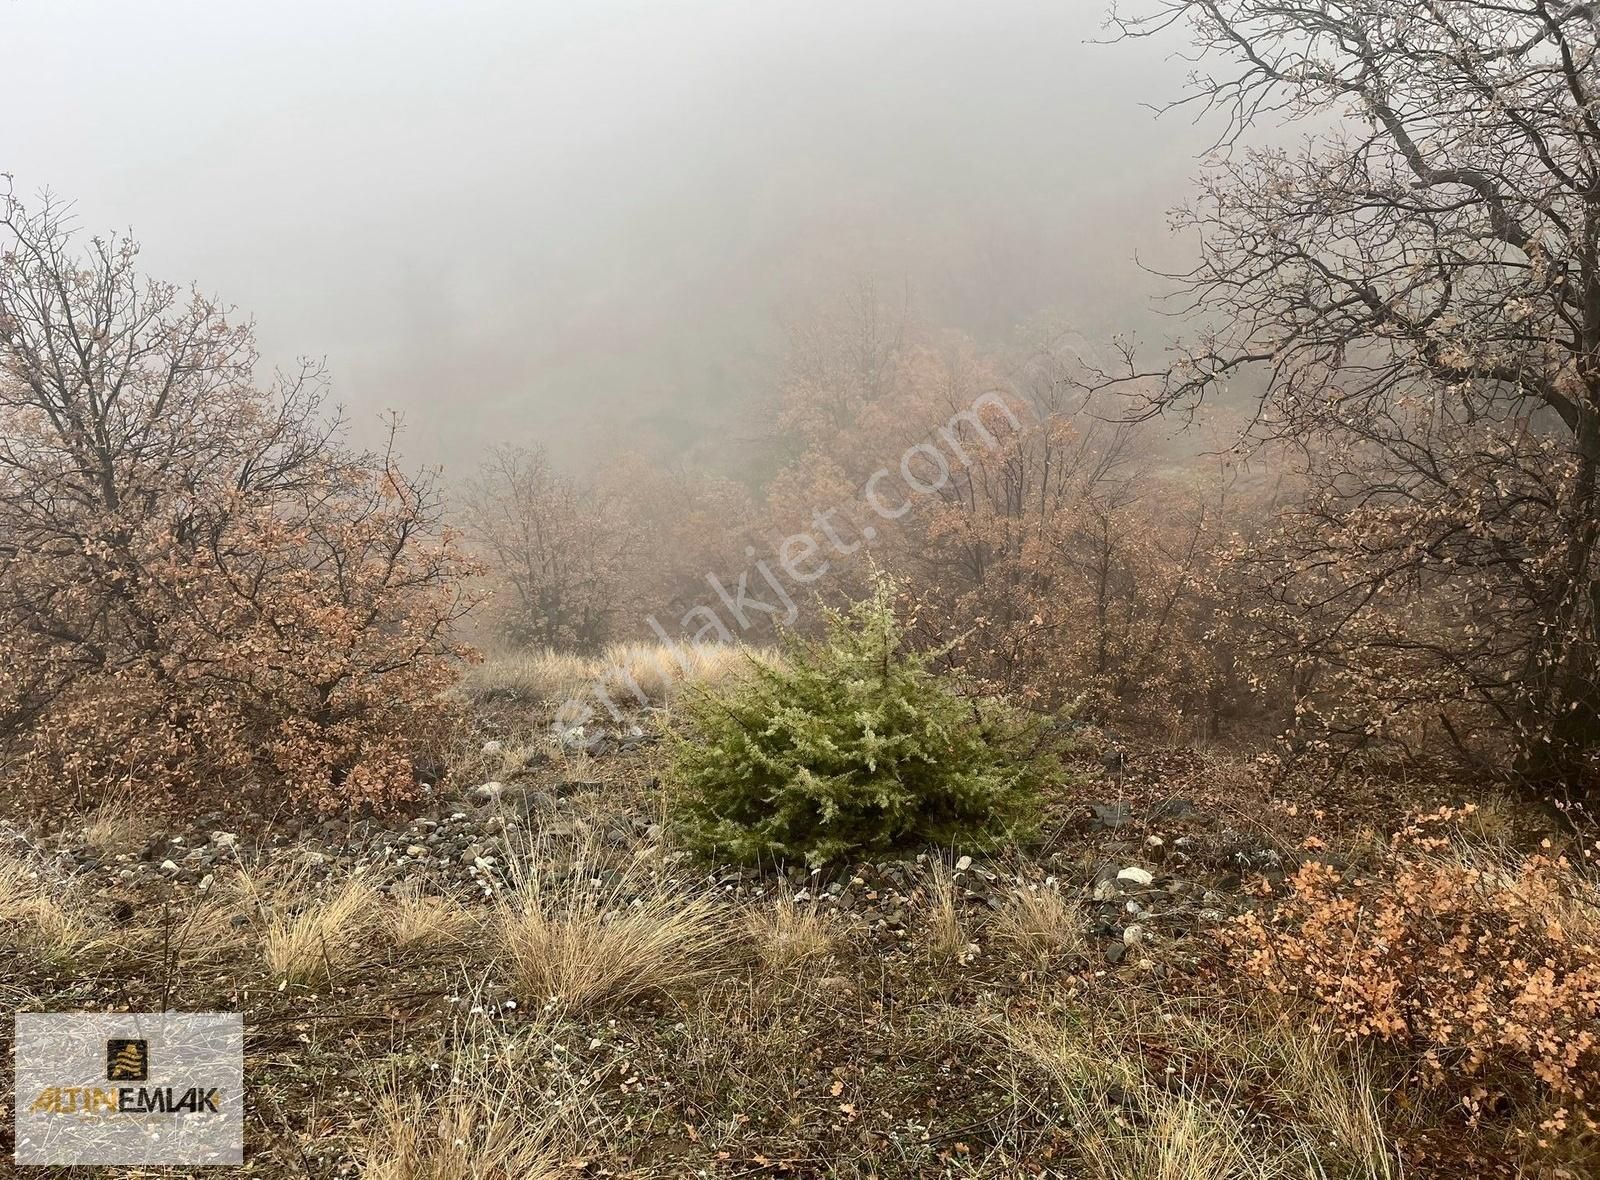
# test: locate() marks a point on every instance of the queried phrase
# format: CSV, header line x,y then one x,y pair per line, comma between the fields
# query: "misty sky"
x,y
586,221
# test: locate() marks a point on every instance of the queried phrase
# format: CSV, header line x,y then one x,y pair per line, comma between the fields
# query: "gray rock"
x,y
1176,807
1111,815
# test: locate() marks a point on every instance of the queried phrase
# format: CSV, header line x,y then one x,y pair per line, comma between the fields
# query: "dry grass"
x,y
421,921
321,941
630,674
118,825
189,939
788,934
588,945
1157,1090
19,886
947,934
44,918
1039,926
1494,820
471,1135
488,1116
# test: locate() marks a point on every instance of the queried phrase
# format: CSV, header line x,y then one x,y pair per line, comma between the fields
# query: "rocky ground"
x,y
1143,861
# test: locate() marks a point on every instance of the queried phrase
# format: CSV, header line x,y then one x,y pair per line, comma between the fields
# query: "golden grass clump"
x,y
118,825
788,934
1152,1090
422,921
588,945
489,1116
1040,925
320,941
947,937
45,919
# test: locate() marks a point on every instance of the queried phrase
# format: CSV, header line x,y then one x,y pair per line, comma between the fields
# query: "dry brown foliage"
x,y
201,590
1488,970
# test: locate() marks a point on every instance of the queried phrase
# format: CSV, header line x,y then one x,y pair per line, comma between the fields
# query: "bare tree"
x,y
555,548
1418,289
198,584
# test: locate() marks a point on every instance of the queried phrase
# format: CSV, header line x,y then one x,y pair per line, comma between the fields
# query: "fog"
x,y
585,223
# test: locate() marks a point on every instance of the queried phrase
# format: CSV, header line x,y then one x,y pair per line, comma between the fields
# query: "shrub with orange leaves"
x,y
202,592
1489,970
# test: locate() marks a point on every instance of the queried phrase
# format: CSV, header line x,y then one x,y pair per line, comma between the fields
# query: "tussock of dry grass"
x,y
629,674
788,934
487,1117
43,918
1040,925
946,933
588,945
118,825
322,940
421,921
467,1136
1192,1110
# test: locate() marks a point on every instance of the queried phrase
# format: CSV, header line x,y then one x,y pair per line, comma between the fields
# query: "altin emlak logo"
x,y
95,1100
127,1060
128,1088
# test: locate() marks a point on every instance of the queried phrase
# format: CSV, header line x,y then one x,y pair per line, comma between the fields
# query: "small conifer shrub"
x,y
850,744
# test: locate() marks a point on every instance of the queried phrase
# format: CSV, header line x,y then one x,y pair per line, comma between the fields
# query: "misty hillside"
x,y
862,591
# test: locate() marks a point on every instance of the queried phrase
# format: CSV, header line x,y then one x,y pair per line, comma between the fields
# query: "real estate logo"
x,y
127,1060
129,1087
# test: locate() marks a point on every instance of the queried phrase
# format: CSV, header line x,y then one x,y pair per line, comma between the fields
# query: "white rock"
x,y
1132,935
493,748
963,864
1134,875
205,884
169,866
224,839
